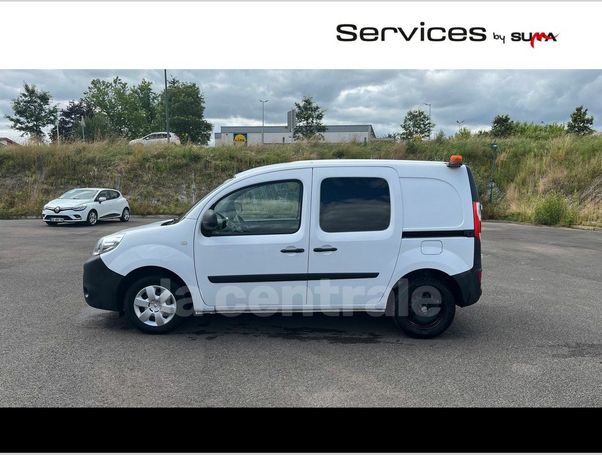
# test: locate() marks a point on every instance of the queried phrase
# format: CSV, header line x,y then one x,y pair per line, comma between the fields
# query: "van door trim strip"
x,y
431,234
289,277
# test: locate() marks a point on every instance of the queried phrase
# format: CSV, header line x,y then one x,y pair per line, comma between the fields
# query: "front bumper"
x,y
101,285
64,216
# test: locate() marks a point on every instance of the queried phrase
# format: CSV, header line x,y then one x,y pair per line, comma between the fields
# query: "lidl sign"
x,y
240,138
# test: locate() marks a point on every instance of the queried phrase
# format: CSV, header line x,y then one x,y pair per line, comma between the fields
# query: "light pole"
x,y
262,118
493,160
460,123
166,105
430,119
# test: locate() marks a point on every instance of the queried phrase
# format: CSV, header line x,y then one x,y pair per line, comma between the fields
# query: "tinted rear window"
x,y
354,204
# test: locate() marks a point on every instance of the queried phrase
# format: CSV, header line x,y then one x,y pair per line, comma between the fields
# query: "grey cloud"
x,y
379,97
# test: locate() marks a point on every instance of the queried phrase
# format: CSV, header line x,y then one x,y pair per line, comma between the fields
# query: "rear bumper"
x,y
101,285
469,283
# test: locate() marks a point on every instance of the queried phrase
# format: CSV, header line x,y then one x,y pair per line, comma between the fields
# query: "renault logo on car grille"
x,y
57,209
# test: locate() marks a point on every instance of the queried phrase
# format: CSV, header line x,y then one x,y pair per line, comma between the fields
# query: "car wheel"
x,y
152,304
50,223
125,215
92,218
429,307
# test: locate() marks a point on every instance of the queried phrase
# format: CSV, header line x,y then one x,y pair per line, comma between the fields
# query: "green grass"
x,y
168,179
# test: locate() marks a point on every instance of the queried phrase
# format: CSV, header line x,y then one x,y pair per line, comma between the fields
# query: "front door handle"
x,y
324,249
292,250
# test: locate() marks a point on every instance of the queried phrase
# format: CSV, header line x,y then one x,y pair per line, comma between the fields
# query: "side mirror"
x,y
102,199
209,222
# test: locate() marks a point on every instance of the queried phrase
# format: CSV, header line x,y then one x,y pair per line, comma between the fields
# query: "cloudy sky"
x,y
378,97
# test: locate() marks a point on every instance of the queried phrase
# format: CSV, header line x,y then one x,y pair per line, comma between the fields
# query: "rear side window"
x,y
354,204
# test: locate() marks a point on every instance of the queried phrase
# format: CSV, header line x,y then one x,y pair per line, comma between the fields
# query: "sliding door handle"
x,y
324,249
292,250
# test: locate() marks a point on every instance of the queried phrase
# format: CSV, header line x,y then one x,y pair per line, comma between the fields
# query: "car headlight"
x,y
46,208
79,208
108,243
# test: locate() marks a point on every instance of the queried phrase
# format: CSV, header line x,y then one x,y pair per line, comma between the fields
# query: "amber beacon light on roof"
x,y
455,161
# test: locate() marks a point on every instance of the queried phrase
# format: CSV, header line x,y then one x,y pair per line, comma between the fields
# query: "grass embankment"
x,y
548,181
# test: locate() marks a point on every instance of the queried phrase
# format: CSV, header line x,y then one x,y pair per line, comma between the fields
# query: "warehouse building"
x,y
251,135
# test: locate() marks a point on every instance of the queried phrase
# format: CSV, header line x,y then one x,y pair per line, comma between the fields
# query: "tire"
x,y
151,315
51,223
431,307
125,215
92,218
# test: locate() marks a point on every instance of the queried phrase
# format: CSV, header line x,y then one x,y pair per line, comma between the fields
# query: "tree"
x,y
502,126
580,122
416,125
186,107
309,118
69,120
33,112
129,111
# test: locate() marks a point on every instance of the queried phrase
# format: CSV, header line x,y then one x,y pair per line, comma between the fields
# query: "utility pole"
x,y
493,160
430,122
263,118
166,106
460,123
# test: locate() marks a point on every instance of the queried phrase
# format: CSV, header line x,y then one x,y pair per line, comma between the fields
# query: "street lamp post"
x,y
262,118
460,123
493,160
166,105
430,118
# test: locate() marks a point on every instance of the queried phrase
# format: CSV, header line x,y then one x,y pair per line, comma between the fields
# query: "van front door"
x,y
356,225
256,258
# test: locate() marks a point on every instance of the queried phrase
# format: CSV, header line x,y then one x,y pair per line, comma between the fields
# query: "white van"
x,y
383,236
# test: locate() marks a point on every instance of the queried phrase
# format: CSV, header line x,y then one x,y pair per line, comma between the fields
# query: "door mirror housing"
x,y
102,199
209,222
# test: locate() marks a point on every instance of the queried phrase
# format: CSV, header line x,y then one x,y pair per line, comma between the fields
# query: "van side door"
x,y
257,258
356,226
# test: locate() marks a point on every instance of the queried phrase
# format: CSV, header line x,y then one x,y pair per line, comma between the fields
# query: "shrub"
x,y
551,210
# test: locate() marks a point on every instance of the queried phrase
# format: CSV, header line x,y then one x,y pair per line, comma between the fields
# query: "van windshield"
x,y
185,215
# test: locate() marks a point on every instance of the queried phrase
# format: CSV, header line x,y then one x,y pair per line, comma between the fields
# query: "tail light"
x,y
476,214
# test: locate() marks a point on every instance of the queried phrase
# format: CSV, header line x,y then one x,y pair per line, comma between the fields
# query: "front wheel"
x,y
153,304
125,215
92,218
425,307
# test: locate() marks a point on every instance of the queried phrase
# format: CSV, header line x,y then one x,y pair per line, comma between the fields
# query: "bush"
x,y
552,210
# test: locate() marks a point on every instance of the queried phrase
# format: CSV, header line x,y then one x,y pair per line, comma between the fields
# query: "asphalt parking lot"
x,y
534,339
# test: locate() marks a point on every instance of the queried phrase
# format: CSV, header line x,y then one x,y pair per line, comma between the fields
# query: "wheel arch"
x,y
425,272
142,272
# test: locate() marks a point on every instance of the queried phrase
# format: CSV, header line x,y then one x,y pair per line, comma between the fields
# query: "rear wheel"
x,y
425,307
92,218
125,215
152,304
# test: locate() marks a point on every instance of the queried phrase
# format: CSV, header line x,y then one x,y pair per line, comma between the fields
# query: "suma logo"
x,y
534,36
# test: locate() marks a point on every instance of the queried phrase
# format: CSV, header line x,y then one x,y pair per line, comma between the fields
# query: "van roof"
x,y
396,164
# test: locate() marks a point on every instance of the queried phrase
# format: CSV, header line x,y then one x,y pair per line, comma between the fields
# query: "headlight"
x,y
108,243
79,208
46,208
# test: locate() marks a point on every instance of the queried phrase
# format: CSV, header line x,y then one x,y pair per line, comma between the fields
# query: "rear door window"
x,y
354,204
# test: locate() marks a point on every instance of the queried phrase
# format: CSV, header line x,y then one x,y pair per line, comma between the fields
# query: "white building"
x,y
251,135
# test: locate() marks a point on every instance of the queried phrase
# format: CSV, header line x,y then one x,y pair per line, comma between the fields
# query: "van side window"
x,y
262,209
354,204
